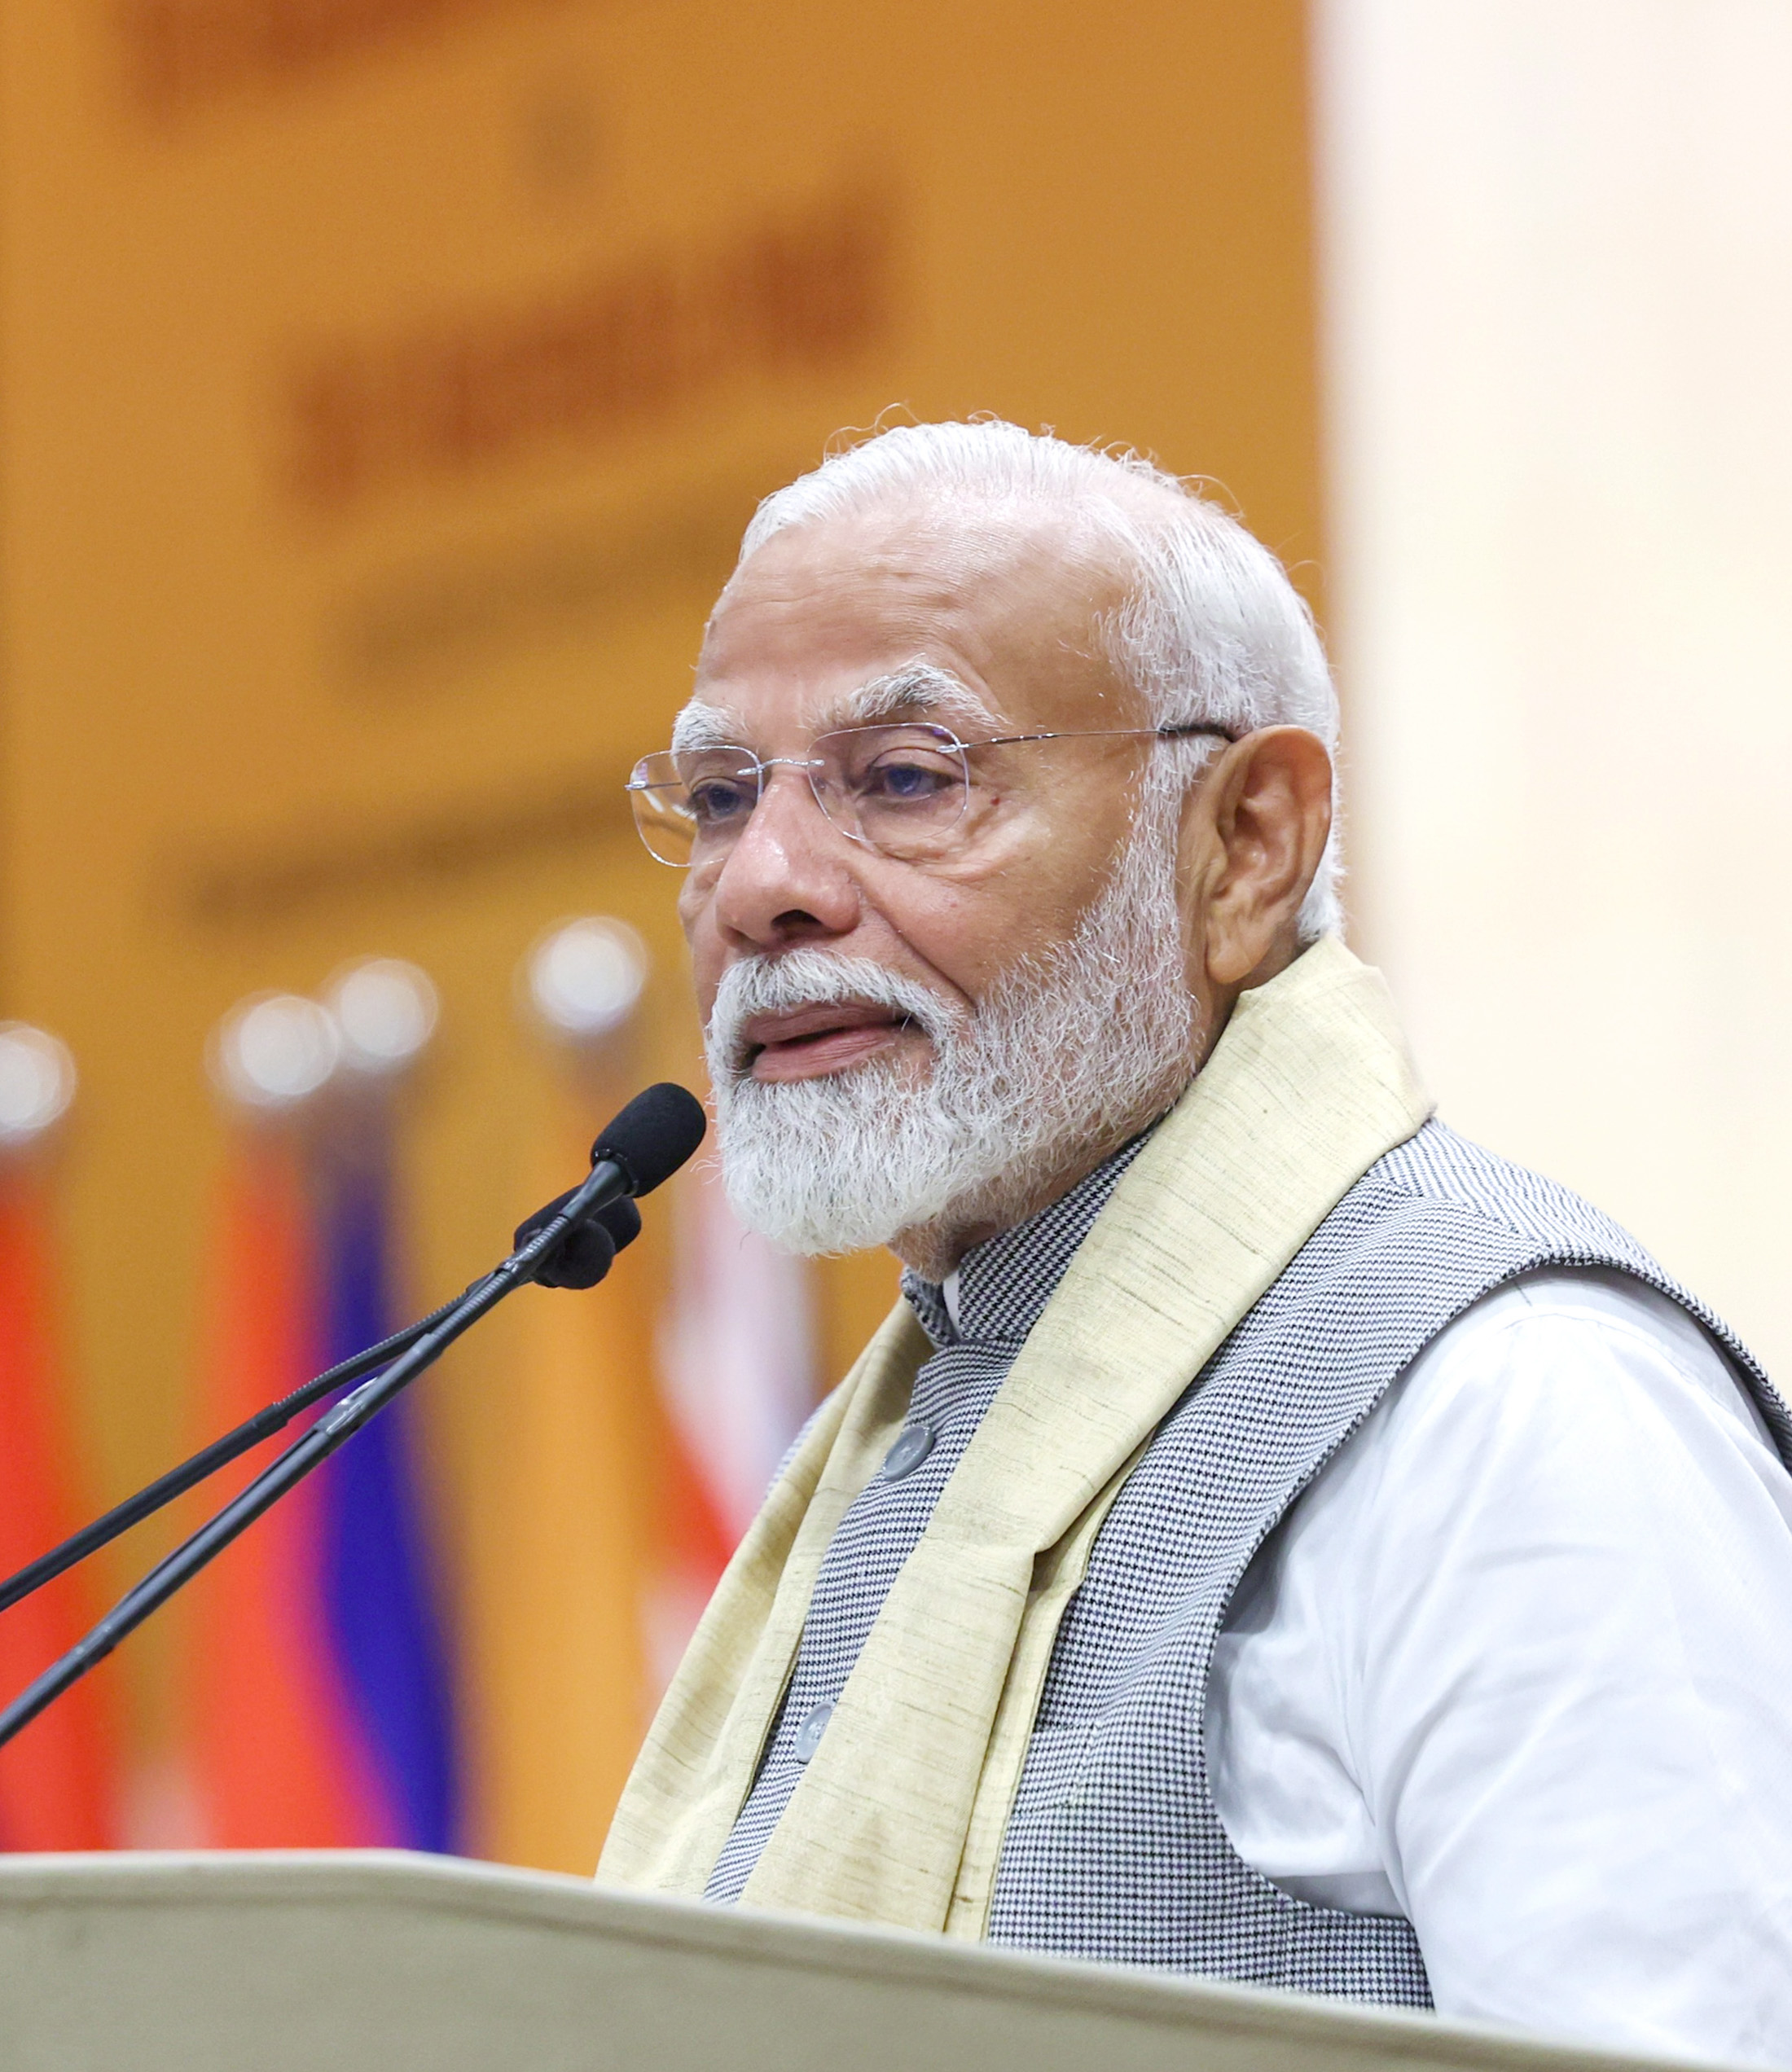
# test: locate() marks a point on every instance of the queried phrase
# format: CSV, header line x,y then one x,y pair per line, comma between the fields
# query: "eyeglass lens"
x,y
905,791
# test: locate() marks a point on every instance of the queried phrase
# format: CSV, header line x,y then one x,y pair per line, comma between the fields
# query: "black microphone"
x,y
646,1144
652,1138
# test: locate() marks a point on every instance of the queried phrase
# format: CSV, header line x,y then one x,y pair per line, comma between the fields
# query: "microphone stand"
x,y
219,1454
428,1341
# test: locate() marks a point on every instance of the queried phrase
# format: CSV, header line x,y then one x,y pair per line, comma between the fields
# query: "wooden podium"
x,y
381,1960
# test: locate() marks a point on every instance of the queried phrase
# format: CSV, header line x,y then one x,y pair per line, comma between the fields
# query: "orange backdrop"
x,y
383,383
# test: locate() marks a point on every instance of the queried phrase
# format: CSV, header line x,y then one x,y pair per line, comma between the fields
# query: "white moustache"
x,y
812,978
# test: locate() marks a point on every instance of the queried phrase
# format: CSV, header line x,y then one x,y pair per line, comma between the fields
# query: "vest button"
x,y
914,1442
809,1734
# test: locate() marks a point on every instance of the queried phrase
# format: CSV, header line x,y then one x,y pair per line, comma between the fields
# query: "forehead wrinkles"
x,y
1021,595
922,558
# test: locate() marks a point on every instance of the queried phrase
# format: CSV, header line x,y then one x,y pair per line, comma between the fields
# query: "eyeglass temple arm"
x,y
1109,734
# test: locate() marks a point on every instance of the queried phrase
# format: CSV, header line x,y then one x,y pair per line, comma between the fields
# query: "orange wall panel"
x,y
385,382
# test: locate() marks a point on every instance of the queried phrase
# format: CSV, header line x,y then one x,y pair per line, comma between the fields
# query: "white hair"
x,y
1212,630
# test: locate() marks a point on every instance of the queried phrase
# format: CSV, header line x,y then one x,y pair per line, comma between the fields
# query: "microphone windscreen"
x,y
653,1136
586,1253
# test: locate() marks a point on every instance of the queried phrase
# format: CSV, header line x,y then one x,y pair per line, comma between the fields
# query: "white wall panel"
x,y
1558,240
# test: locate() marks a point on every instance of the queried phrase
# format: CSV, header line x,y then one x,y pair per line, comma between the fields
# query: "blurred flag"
x,y
277,1761
564,1688
323,1708
58,1781
377,1579
687,1424
737,1356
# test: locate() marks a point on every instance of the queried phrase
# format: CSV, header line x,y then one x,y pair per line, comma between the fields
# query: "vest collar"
x,y
1004,1283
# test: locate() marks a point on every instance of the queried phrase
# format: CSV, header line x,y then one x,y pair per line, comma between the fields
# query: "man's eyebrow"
x,y
699,726
920,690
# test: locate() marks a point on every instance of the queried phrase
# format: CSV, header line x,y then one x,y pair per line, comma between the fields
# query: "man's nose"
x,y
788,876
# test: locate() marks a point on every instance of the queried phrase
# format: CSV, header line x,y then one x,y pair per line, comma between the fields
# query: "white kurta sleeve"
x,y
1519,1666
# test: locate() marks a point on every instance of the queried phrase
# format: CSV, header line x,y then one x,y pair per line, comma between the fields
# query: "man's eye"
x,y
908,782
718,801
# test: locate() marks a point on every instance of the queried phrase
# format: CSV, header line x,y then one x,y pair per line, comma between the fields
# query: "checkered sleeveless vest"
x,y
1115,1849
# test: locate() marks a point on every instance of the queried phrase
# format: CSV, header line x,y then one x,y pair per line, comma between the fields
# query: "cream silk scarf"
x,y
899,1815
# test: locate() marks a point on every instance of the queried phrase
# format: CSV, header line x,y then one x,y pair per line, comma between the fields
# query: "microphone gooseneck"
x,y
154,1495
571,1243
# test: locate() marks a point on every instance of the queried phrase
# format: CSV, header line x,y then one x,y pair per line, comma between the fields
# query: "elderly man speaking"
x,y
1273,1538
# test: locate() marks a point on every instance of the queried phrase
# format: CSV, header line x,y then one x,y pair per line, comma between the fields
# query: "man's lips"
x,y
806,1042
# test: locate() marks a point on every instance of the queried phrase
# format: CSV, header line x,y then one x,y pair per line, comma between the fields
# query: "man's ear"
x,y
1253,833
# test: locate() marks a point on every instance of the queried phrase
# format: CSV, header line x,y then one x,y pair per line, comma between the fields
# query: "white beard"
x,y
1069,1051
